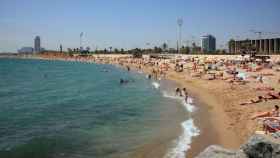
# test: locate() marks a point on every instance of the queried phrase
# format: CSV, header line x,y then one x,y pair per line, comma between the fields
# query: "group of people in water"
x,y
182,93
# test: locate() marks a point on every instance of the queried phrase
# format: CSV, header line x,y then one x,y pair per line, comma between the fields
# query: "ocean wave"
x,y
156,85
182,144
188,105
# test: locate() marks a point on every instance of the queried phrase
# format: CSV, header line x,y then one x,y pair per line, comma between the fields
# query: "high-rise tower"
x,y
37,44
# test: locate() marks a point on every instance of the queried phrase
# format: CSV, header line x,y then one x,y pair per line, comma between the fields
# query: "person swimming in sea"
x,y
105,70
123,81
45,76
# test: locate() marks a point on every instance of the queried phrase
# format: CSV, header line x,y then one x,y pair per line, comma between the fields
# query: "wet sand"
x,y
170,129
203,120
211,115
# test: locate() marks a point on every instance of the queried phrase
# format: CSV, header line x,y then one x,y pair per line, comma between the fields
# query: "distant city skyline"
x,y
130,23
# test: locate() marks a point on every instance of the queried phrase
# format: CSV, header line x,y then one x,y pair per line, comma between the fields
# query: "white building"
x,y
25,50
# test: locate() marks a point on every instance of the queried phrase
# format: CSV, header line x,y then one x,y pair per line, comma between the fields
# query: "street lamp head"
x,y
180,22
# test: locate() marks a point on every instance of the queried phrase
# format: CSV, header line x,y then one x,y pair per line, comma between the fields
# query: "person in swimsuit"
x,y
258,100
178,92
185,94
273,113
272,95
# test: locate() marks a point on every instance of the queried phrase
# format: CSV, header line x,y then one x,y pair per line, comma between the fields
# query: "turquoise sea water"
x,y
71,109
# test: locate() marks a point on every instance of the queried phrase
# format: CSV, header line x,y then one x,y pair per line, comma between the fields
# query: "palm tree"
x,y
122,50
157,50
110,48
116,50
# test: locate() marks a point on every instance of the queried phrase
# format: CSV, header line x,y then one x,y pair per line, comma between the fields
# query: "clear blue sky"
x,y
131,23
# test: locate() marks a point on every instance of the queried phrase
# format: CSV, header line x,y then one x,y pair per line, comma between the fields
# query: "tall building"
x,y
260,46
208,43
37,44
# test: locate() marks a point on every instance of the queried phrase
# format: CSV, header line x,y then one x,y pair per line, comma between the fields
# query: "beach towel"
x,y
276,135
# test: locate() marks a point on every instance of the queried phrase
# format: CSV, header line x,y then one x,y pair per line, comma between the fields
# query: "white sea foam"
x,y
182,144
156,85
188,105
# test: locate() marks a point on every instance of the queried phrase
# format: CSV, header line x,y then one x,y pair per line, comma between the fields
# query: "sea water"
x,y
80,110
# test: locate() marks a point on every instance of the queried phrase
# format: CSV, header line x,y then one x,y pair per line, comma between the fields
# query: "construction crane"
x,y
261,33
273,34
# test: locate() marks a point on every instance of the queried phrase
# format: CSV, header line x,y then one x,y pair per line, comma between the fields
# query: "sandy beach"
x,y
222,120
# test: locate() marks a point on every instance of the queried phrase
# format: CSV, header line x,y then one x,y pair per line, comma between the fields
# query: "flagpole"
x,y
81,35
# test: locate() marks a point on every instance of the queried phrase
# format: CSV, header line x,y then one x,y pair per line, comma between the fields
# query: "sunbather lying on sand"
x,y
273,95
258,100
273,113
264,89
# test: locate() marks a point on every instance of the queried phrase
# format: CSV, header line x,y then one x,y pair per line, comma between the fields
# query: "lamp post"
x,y
81,47
180,23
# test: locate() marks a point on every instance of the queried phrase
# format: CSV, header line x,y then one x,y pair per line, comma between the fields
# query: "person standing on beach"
x,y
185,94
194,67
178,92
260,78
235,73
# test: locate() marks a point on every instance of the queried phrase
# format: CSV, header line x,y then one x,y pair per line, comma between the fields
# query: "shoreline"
x,y
210,131
216,118
221,111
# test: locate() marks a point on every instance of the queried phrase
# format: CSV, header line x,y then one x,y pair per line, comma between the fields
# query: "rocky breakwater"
x,y
258,146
